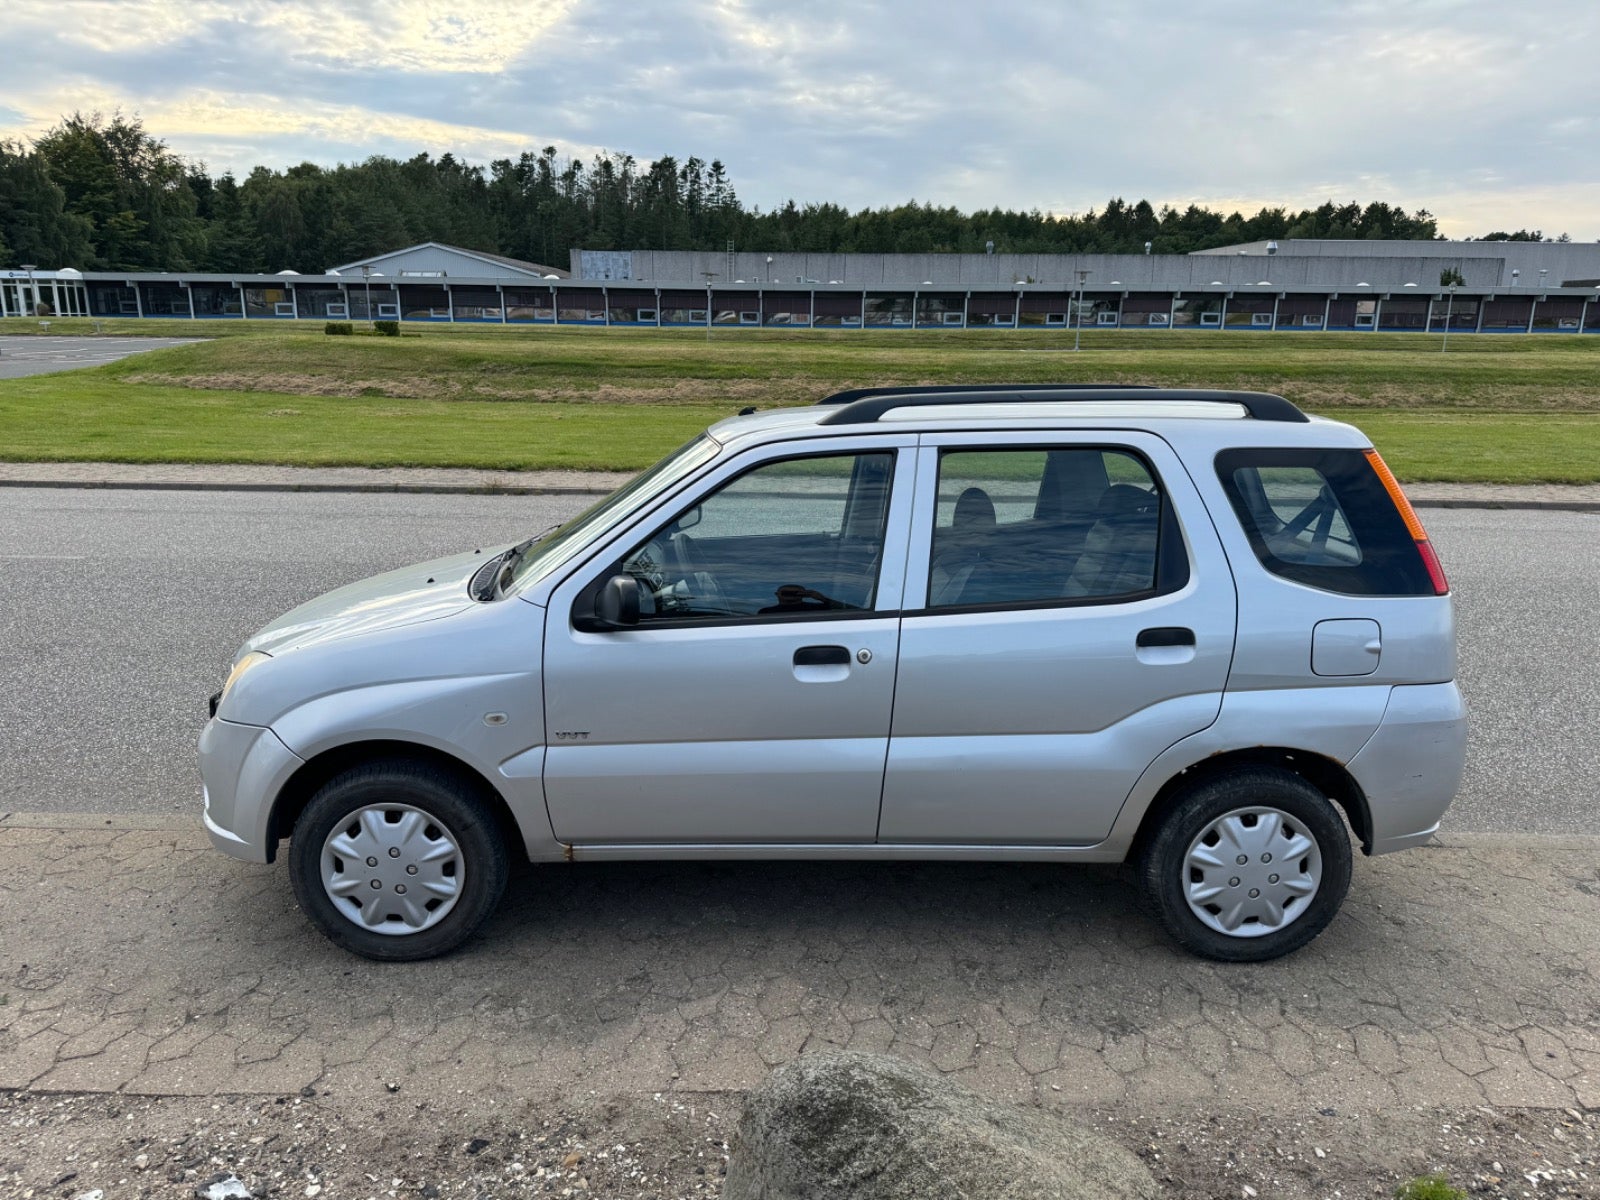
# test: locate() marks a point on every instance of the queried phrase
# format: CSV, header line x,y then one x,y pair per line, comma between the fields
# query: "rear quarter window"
x,y
1324,519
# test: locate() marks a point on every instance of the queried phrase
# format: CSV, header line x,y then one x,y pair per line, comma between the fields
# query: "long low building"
x,y
466,286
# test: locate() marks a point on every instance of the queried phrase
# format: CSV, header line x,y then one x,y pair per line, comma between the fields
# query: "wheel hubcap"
x,y
392,869
1252,872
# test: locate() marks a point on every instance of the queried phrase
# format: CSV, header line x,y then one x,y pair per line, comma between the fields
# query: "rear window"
x,y
1324,519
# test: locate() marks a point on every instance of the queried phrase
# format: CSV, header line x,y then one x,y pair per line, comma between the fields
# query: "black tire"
x,y
452,805
1164,873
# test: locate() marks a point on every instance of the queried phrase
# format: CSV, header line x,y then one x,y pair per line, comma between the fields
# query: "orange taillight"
x,y
1430,557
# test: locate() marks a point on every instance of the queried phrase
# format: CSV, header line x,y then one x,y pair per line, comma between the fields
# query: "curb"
x,y
533,489
1582,506
147,822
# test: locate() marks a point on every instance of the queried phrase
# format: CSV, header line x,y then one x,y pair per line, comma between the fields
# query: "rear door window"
x,y
1050,525
1324,519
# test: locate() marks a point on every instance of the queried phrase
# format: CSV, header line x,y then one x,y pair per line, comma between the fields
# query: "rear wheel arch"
x,y
304,784
1325,774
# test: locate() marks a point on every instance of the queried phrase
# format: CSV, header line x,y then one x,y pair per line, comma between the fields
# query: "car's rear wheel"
x,y
1248,866
398,861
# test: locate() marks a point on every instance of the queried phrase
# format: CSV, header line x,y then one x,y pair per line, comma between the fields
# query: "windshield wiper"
x,y
506,562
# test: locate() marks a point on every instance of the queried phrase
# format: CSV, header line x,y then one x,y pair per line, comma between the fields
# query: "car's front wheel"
x,y
1248,866
398,860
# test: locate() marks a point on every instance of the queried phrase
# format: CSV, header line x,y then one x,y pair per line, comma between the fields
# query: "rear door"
x,y
1069,615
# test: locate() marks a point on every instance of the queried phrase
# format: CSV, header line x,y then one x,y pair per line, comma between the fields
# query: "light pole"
x,y
33,296
1449,304
366,276
1078,325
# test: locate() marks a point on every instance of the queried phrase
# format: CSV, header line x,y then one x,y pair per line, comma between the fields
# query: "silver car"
x,y
1197,631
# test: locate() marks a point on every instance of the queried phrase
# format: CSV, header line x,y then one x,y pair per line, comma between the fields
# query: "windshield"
x,y
562,545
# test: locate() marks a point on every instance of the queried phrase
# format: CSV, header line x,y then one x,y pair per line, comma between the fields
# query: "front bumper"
x,y
242,769
1411,766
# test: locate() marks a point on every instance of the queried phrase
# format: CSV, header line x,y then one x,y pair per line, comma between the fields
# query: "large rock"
x,y
870,1127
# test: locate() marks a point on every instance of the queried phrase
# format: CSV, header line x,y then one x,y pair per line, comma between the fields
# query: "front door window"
x,y
799,537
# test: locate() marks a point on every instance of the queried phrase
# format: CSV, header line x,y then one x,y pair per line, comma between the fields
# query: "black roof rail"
x,y
971,389
864,406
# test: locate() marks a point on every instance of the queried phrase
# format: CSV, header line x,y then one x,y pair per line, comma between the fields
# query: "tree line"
x,y
105,194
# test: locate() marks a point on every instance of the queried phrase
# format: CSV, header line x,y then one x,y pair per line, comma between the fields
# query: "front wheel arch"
x,y
307,780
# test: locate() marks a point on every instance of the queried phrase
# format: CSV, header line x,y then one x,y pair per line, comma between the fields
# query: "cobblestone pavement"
x,y
221,476
136,959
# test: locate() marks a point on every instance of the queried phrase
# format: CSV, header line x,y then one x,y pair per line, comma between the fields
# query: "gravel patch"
x,y
671,1145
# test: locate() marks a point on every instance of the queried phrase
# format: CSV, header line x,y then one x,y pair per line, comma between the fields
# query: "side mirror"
x,y
617,604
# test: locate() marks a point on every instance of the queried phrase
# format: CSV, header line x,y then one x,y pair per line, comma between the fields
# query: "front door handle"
x,y
1165,635
822,656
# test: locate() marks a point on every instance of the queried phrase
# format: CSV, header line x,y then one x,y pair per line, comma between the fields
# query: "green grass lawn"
x,y
1494,408
106,420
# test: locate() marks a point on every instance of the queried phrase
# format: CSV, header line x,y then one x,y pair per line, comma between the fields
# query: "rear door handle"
x,y
822,656
1165,635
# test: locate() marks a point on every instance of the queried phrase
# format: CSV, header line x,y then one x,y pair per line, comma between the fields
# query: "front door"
x,y
1069,615
751,702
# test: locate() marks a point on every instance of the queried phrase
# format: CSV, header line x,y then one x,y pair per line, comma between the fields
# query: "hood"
x,y
425,592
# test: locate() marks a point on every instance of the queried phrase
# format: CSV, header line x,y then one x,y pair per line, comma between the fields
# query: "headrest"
x,y
974,510
1121,499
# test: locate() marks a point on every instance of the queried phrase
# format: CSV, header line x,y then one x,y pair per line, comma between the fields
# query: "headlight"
x,y
239,668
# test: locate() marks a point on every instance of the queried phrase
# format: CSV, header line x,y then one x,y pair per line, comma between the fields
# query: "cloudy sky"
x,y
1483,113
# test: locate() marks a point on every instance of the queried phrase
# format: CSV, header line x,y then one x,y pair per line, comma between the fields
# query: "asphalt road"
x,y
119,611
28,355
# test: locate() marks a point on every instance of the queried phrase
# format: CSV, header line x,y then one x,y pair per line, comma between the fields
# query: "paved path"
x,y
27,355
225,477
138,960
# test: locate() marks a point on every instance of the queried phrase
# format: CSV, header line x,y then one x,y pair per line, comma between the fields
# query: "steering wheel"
x,y
796,597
